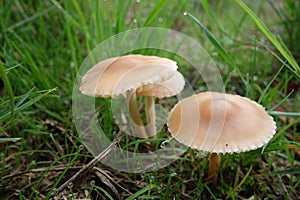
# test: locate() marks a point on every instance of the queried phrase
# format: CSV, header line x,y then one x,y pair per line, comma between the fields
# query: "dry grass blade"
x,y
109,175
107,182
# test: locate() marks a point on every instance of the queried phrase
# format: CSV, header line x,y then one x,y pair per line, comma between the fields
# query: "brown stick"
x,y
214,165
88,166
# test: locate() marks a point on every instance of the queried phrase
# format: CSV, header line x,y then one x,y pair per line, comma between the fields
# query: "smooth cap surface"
x,y
220,123
115,76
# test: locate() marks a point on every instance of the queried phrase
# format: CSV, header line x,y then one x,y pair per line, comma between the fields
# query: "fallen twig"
x,y
88,166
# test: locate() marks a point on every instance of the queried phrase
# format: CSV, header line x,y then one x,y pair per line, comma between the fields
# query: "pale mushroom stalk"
x,y
150,117
213,167
135,114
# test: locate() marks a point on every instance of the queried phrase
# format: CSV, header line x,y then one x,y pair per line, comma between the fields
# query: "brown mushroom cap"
x,y
115,76
220,123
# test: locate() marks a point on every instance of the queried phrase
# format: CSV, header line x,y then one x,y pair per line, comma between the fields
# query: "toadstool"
x,y
165,89
129,76
220,123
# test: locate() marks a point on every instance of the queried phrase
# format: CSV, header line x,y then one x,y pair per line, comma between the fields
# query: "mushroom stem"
x,y
150,117
213,168
135,114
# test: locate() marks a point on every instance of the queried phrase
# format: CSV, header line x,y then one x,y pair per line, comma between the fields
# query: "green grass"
x,y
43,44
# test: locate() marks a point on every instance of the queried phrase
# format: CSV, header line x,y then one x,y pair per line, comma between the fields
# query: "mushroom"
x,y
165,89
220,123
129,76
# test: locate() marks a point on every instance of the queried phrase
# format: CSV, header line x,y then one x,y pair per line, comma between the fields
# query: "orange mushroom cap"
x,y
220,123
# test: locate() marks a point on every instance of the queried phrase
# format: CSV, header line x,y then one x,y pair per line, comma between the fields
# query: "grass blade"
x,y
224,54
211,13
294,72
29,19
284,52
3,140
281,172
264,92
104,191
24,97
9,90
17,109
178,9
152,16
286,114
219,48
122,9
138,193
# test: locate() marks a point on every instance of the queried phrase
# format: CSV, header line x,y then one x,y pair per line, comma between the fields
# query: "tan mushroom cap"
x,y
168,88
220,123
115,76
